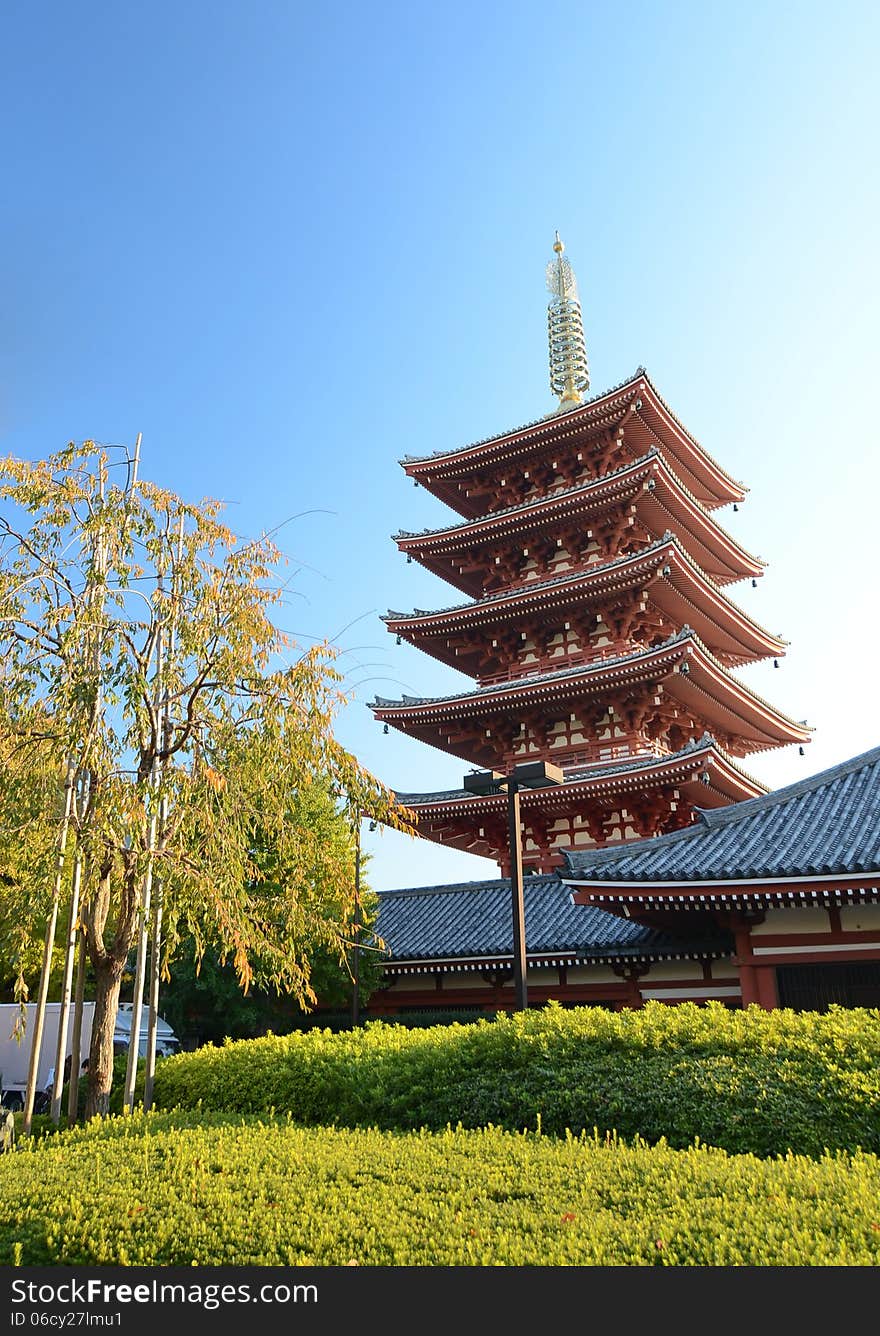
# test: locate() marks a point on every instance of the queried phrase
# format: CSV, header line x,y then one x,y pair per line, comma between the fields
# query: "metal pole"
x,y
516,890
356,962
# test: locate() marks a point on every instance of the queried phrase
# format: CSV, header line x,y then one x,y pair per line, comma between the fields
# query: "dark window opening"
x,y
817,987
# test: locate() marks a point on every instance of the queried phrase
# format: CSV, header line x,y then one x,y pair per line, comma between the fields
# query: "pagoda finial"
x,y
569,371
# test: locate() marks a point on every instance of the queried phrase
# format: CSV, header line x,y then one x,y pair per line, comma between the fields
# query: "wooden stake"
x,y
156,926
76,1036
48,946
137,1000
66,988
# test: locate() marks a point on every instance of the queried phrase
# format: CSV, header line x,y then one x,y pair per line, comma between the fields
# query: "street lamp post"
x,y
514,837
526,775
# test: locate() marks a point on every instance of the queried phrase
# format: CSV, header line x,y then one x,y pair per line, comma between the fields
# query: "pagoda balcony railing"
x,y
593,654
624,749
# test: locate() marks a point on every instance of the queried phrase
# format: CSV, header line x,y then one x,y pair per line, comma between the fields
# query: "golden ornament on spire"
x,y
569,371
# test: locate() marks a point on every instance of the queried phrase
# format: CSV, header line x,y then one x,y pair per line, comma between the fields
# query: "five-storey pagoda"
x,y
597,626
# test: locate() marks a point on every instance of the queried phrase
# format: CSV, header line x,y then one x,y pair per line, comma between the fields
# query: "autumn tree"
x,y
163,730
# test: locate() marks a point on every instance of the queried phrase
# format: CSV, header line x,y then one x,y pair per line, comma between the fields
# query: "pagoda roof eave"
x,y
631,481
723,486
660,662
610,574
611,778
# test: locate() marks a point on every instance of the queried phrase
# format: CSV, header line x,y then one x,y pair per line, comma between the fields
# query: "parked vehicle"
x,y
15,1052
167,1042
15,1046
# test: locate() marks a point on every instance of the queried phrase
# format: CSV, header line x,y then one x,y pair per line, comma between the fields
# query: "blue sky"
x,y
290,246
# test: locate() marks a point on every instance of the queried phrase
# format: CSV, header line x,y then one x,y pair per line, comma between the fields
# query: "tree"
x,y
171,728
203,997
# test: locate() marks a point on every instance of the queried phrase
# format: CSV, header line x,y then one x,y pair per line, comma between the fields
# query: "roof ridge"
x,y
708,820
489,884
545,419
720,816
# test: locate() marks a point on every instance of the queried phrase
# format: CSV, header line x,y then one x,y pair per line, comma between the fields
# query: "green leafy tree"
x,y
141,666
203,999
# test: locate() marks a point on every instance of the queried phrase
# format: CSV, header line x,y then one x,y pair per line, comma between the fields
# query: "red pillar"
x,y
747,970
765,982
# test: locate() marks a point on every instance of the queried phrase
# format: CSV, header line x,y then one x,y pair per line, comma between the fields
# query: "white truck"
x,y
167,1042
15,1054
15,1046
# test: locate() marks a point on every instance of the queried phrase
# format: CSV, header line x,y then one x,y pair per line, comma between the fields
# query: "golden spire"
x,y
569,372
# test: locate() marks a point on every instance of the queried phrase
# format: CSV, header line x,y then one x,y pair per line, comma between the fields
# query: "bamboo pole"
x,y
48,946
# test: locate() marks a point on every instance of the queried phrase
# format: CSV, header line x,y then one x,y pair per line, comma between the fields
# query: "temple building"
x,y
793,877
603,643
598,628
773,901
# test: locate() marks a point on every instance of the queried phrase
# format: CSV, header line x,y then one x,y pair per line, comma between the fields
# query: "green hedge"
x,y
177,1189
747,1081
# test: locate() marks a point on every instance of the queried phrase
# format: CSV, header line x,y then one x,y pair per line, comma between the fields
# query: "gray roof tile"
x,y
474,919
827,825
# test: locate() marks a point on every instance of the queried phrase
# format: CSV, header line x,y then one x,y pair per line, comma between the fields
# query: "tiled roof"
x,y
538,422
538,586
538,679
622,767
827,825
591,484
474,919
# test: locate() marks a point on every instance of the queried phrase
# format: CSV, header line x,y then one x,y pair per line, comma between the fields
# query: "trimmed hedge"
x,y
748,1081
180,1190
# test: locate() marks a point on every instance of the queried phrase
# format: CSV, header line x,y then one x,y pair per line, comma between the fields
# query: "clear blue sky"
x,y
292,244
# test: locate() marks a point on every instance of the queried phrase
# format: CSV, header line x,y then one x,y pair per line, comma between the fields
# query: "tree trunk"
x,y
108,978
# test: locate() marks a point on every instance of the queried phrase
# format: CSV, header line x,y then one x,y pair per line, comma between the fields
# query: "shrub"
x,y
178,1190
747,1081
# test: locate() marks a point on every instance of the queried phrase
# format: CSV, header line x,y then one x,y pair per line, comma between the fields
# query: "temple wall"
x,y
722,992
724,969
407,982
456,980
577,974
860,918
585,985
779,922
672,969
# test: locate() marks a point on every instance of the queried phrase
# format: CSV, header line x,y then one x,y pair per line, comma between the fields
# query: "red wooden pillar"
x,y
765,984
744,959
631,975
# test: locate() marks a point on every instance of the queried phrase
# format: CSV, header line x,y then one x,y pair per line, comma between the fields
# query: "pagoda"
x,y
597,624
